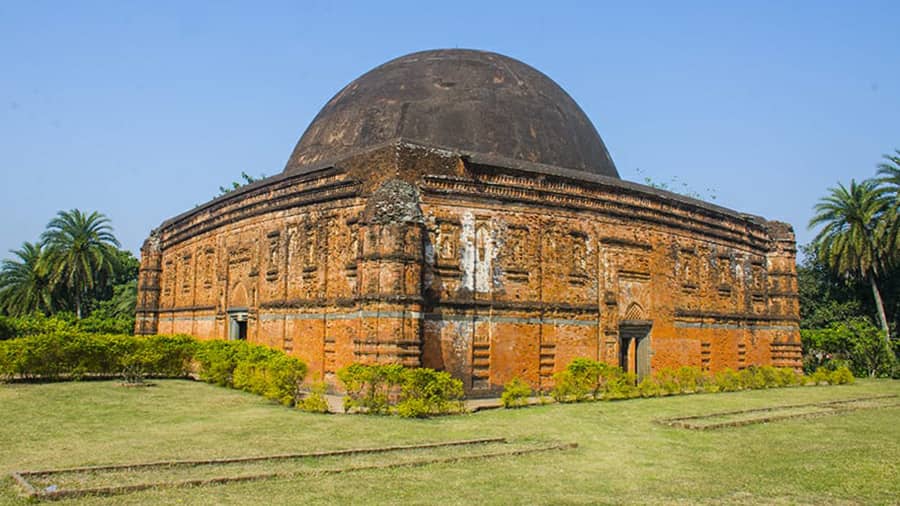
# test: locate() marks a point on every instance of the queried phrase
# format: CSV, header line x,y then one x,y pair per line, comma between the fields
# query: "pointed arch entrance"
x,y
635,345
238,313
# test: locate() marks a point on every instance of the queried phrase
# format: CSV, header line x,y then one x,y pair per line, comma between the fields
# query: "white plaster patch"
x,y
484,254
477,253
463,333
467,251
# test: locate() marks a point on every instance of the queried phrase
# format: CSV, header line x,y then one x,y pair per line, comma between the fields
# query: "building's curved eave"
x,y
544,170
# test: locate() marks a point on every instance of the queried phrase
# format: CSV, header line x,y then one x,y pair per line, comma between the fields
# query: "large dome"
x,y
467,100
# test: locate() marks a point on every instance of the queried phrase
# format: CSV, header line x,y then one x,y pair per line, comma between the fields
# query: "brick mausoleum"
x,y
456,209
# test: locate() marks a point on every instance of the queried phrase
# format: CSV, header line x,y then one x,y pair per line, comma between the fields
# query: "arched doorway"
x,y
238,313
634,342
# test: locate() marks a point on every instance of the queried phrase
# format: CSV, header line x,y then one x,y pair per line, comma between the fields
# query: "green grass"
x,y
623,457
726,419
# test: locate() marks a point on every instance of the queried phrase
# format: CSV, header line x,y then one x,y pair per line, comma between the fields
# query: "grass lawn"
x,y
622,458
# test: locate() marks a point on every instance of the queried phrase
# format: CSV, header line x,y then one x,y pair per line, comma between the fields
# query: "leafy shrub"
x,y
253,368
820,377
171,355
515,393
275,377
371,388
66,354
52,356
620,385
752,378
690,379
786,377
383,389
682,380
427,392
727,380
76,354
649,387
667,382
589,376
39,323
840,376
769,376
97,322
284,374
217,360
565,388
585,379
856,343
314,401
157,356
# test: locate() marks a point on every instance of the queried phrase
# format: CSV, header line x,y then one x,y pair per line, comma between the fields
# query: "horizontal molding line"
x,y
426,316
186,318
340,316
512,319
732,326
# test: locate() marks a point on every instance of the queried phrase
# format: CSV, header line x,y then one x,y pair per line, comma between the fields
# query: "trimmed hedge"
x,y
65,322
391,388
584,379
74,355
253,368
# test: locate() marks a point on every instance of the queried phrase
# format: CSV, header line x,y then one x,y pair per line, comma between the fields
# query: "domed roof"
x,y
468,100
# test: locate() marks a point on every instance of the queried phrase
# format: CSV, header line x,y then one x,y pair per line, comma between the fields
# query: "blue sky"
x,y
140,110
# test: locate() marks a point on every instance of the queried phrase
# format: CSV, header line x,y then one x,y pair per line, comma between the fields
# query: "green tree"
x,y
80,252
890,188
825,297
122,286
849,241
25,285
854,341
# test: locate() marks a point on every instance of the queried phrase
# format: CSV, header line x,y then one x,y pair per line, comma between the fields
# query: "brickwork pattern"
x,y
421,256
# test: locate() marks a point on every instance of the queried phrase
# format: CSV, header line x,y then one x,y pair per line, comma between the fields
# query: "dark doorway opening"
x,y
624,351
634,348
237,329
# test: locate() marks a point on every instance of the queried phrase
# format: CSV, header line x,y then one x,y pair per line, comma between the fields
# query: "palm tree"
x,y
25,283
80,252
890,181
850,241
890,171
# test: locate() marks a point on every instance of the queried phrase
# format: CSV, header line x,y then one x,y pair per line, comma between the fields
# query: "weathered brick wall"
x,y
489,271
